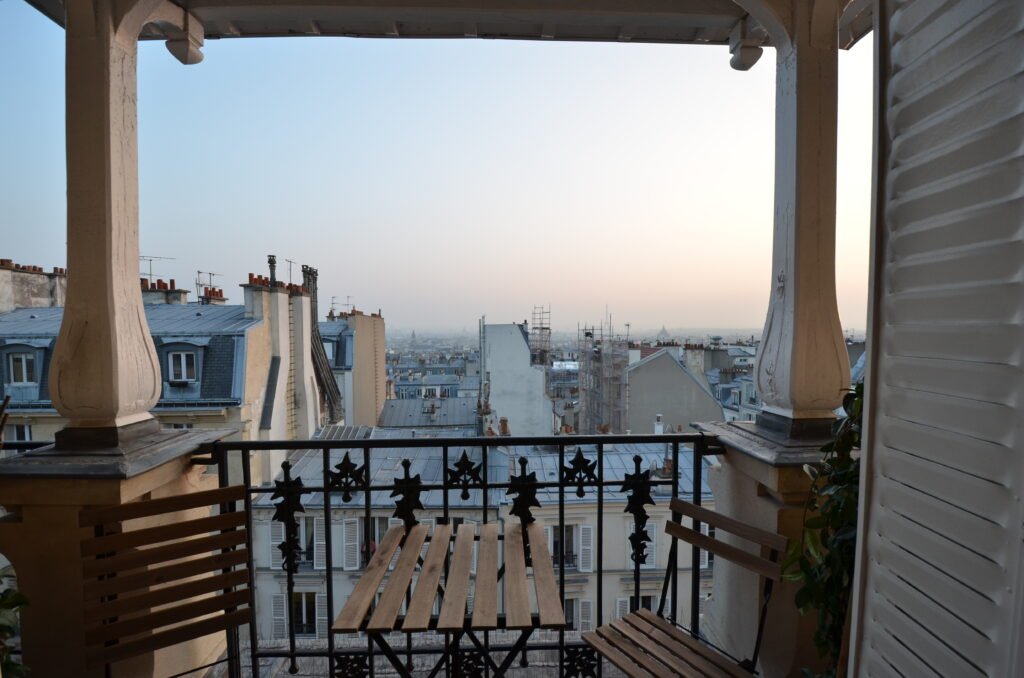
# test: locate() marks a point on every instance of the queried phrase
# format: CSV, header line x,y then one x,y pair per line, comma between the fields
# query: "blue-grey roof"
x,y
440,379
163,319
433,412
332,328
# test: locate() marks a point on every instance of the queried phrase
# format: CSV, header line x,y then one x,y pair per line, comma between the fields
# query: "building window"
x,y
570,614
304,613
329,350
177,427
182,366
570,547
22,368
18,433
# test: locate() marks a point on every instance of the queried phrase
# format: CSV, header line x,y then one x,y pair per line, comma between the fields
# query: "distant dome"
x,y
664,335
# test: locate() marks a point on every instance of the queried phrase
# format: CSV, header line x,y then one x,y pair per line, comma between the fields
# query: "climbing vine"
x,y
823,560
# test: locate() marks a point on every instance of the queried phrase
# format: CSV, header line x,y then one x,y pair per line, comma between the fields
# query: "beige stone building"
x,y
356,350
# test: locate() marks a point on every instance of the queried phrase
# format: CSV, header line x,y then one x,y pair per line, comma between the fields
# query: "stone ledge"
x,y
130,459
764,445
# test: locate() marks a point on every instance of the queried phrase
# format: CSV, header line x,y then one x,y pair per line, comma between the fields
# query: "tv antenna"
x,y
348,303
290,262
209,281
149,265
334,302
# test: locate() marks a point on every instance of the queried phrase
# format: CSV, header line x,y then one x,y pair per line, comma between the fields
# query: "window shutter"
x,y
621,607
278,611
319,544
586,615
549,533
276,537
652,546
321,616
586,550
394,559
350,543
704,552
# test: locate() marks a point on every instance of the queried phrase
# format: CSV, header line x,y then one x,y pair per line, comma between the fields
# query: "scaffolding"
x,y
540,335
603,360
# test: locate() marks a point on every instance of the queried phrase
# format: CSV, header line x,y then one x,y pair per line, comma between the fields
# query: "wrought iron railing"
x,y
322,477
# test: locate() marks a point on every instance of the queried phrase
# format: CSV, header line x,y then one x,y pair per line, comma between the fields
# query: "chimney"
x,y
503,426
162,293
659,427
213,296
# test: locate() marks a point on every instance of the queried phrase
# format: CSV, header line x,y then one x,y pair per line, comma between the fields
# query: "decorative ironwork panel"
x,y
465,474
471,664
638,487
579,662
351,666
581,471
408,490
289,491
524,486
347,477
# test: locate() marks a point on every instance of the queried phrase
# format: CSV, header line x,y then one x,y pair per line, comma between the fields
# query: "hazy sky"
x,y
444,180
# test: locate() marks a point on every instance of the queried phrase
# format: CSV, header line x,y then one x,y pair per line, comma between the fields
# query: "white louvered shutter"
x,y
350,543
321,616
586,615
621,607
392,522
586,549
941,582
550,535
704,562
276,537
652,545
319,544
278,618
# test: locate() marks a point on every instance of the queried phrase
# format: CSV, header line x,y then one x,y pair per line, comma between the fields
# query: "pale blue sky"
x,y
443,180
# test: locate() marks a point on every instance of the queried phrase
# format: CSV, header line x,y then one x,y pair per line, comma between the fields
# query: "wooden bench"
x,y
644,644
359,614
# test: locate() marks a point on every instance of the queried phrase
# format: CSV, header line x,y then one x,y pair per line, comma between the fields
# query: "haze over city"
x,y
444,180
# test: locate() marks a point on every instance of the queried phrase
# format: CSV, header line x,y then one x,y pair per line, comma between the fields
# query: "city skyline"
x,y
444,180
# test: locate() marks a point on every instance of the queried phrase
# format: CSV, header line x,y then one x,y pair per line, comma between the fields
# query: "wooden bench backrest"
x,y
766,567
199,565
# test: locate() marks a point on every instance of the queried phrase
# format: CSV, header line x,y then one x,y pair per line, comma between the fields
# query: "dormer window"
x,y
182,367
22,368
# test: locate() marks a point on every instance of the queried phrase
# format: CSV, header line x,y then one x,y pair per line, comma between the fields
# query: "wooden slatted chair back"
x,y
151,587
774,544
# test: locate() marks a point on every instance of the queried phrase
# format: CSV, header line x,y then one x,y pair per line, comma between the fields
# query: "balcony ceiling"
x,y
657,21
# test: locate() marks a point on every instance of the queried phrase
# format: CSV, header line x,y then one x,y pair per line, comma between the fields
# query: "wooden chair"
x,y
154,587
644,644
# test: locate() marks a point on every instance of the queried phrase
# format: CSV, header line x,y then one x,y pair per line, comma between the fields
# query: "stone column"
x,y
803,366
105,376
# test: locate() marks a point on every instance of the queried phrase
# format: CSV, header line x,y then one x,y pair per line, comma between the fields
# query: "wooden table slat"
x,y
485,598
386,614
517,594
621,661
417,618
366,588
453,608
549,598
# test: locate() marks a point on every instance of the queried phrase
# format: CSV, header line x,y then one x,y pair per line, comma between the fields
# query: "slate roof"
x,y
163,319
409,413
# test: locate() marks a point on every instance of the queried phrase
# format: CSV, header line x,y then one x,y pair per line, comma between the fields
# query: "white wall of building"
x,y
516,388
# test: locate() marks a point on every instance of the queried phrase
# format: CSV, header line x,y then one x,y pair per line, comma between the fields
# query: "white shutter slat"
x,y
319,544
586,550
621,607
276,537
350,543
279,620
321,616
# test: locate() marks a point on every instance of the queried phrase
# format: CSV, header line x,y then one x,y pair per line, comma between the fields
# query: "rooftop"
x,y
163,319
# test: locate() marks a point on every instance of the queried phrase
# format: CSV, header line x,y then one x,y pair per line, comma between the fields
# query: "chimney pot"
x,y
173,285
